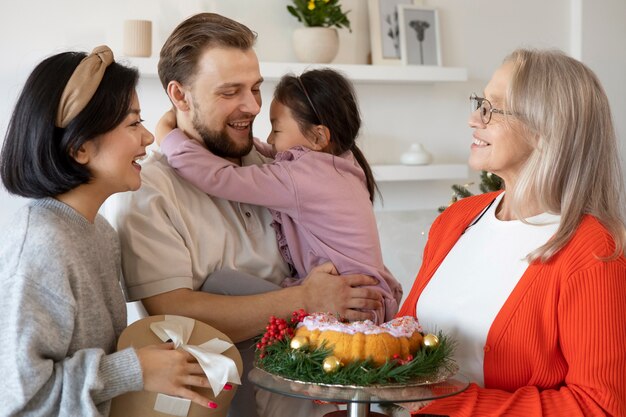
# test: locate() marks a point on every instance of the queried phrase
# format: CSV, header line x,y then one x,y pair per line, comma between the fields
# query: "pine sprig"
x,y
461,191
488,182
307,365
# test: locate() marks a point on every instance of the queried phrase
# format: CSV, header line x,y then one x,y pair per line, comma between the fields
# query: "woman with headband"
x,y
74,139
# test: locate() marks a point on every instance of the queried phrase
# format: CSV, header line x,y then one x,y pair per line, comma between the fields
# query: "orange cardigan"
x,y
558,345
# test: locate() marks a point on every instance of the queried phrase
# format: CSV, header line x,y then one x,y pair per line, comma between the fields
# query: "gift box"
x,y
214,351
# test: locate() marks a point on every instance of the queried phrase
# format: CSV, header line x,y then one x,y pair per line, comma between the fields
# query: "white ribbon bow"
x,y
218,368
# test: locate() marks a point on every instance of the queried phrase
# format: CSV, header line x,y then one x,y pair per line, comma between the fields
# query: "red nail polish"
x,y
228,387
212,404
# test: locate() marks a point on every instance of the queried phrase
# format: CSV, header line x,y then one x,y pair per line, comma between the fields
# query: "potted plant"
x,y
318,40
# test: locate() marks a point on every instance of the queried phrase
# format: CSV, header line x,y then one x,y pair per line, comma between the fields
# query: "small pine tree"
x,y
488,182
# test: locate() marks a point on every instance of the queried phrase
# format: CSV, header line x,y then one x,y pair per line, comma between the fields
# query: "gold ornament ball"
x,y
431,341
331,364
299,342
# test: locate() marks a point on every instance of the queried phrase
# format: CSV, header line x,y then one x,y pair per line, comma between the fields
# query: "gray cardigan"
x,y
61,312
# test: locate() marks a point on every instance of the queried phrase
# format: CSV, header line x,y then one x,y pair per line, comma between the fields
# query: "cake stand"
x,y
359,398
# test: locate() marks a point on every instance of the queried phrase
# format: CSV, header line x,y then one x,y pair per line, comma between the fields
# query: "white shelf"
x,y
386,173
381,74
384,74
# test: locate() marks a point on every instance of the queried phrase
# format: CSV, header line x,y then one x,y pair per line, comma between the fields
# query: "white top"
x,y
475,279
173,235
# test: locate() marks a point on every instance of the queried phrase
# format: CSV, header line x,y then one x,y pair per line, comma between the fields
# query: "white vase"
x,y
315,44
416,155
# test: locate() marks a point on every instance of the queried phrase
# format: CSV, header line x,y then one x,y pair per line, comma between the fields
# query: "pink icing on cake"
x,y
398,327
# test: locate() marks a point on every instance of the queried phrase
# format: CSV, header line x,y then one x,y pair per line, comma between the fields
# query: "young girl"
x,y
74,139
319,187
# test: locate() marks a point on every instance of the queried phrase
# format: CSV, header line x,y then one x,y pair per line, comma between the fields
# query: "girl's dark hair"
x,y
325,97
36,159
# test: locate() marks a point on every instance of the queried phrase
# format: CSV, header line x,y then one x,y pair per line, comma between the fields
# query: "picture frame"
x,y
384,30
419,35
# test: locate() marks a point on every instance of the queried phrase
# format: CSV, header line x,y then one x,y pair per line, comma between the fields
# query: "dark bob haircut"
x,y
36,159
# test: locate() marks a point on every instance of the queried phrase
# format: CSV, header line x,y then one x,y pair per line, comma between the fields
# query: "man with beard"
x,y
190,254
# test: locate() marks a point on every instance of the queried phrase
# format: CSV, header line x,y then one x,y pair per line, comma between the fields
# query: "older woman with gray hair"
x,y
531,281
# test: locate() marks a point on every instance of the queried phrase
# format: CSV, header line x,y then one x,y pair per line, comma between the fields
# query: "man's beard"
x,y
218,142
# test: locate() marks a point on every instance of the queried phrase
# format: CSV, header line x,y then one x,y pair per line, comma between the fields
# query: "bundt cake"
x,y
360,340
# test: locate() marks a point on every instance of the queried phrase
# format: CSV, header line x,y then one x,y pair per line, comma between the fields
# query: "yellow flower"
x,y
324,13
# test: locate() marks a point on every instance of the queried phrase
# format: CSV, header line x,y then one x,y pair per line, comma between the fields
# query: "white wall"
x,y
475,34
602,48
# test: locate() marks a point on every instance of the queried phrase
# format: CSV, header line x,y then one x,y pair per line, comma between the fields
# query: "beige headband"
x,y
83,84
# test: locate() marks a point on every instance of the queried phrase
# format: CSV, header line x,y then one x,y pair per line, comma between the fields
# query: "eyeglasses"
x,y
486,109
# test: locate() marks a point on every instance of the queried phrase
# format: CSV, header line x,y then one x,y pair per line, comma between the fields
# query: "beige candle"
x,y
138,38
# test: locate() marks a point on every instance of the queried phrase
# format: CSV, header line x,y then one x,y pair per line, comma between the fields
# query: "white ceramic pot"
x,y
416,155
315,44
